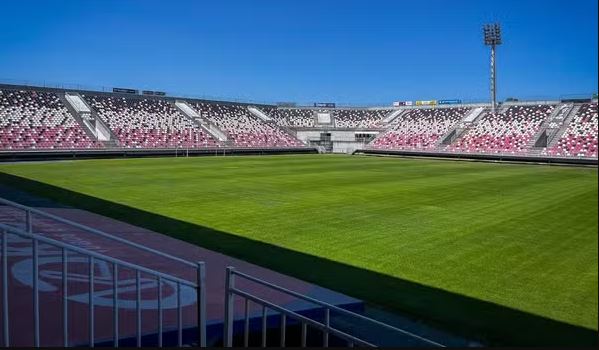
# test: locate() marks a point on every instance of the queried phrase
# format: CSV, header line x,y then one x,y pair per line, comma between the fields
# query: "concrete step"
x,y
547,129
461,127
259,113
393,115
201,122
554,138
77,116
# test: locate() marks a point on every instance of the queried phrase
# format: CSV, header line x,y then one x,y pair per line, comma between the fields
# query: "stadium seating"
x,y
344,118
509,132
580,137
243,128
360,118
38,120
419,129
149,123
294,117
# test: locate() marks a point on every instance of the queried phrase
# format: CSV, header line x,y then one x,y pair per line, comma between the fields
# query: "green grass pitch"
x,y
479,247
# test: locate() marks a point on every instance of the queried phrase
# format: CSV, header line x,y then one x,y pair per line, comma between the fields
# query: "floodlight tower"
x,y
492,33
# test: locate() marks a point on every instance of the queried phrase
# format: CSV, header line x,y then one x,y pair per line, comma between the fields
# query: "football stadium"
x,y
136,216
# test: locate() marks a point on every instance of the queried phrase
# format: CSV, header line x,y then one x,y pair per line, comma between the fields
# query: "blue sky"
x,y
359,52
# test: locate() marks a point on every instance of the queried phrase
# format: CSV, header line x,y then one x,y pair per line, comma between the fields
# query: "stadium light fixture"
x,y
492,38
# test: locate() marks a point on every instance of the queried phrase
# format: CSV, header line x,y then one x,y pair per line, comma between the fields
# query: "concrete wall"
x,y
306,135
347,147
343,141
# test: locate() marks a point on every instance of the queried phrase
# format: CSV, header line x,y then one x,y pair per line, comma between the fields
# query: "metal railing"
x,y
29,214
109,89
92,259
247,100
325,327
530,155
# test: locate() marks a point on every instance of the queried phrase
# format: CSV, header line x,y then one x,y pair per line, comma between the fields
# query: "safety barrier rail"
x,y
29,228
93,258
231,290
199,286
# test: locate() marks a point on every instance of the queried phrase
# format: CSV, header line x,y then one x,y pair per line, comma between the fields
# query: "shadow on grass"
x,y
478,319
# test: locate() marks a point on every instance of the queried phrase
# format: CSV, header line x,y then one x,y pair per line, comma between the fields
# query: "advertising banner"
x,y
156,93
450,102
324,104
124,91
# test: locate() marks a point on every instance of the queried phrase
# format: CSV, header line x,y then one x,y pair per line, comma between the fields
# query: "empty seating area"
x,y
419,129
38,120
149,123
360,118
294,117
344,118
580,137
32,119
243,128
510,132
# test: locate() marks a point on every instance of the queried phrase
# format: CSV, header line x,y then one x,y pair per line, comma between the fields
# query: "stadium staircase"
x,y
388,121
549,127
267,119
557,134
260,114
287,130
389,118
504,107
461,127
89,120
108,279
203,123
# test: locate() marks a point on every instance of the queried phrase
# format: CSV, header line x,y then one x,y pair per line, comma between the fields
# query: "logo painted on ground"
x,y
50,279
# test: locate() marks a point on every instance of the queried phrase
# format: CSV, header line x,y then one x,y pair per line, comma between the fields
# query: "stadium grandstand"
x,y
139,210
48,119
38,120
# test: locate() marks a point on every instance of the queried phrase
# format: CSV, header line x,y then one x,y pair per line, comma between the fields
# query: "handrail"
x,y
83,251
230,288
300,317
161,277
95,231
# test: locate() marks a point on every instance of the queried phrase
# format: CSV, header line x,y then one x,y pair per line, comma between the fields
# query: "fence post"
x,y
65,300
5,318
36,295
28,222
229,298
327,322
201,303
91,302
115,304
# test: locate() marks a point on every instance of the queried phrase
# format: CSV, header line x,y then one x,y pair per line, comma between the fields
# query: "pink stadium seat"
x,y
509,132
360,118
580,138
294,117
344,118
419,129
149,123
243,128
38,120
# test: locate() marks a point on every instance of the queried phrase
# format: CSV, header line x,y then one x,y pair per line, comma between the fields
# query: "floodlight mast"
x,y
492,38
